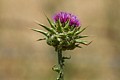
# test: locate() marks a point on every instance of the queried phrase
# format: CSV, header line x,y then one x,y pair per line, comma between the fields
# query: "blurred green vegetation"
x,y
23,58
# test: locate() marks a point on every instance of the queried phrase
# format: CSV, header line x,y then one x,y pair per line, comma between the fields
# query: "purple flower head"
x,y
64,17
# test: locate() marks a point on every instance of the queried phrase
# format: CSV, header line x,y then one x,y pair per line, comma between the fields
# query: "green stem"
x,y
60,63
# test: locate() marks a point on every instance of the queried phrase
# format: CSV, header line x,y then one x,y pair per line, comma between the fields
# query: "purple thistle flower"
x,y
64,17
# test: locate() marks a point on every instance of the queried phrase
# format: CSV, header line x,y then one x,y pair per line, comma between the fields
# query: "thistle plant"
x,y
63,34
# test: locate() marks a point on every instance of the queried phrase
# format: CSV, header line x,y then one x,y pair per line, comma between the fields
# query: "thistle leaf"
x,y
55,68
89,43
66,25
80,41
83,42
59,28
47,28
40,31
41,39
78,46
67,57
72,32
78,37
78,28
80,31
51,24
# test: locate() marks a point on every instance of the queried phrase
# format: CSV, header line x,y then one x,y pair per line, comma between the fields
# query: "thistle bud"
x,y
64,32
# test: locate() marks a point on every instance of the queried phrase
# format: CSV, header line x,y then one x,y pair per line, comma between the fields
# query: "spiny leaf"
x,y
89,43
71,33
66,25
47,28
80,31
40,31
78,28
55,68
74,30
78,46
81,36
67,57
82,42
51,24
41,39
59,28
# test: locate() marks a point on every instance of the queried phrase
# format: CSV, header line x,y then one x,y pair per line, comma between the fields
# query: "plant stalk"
x,y
61,65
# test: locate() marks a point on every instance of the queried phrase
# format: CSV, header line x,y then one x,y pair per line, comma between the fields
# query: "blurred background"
x,y
23,58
